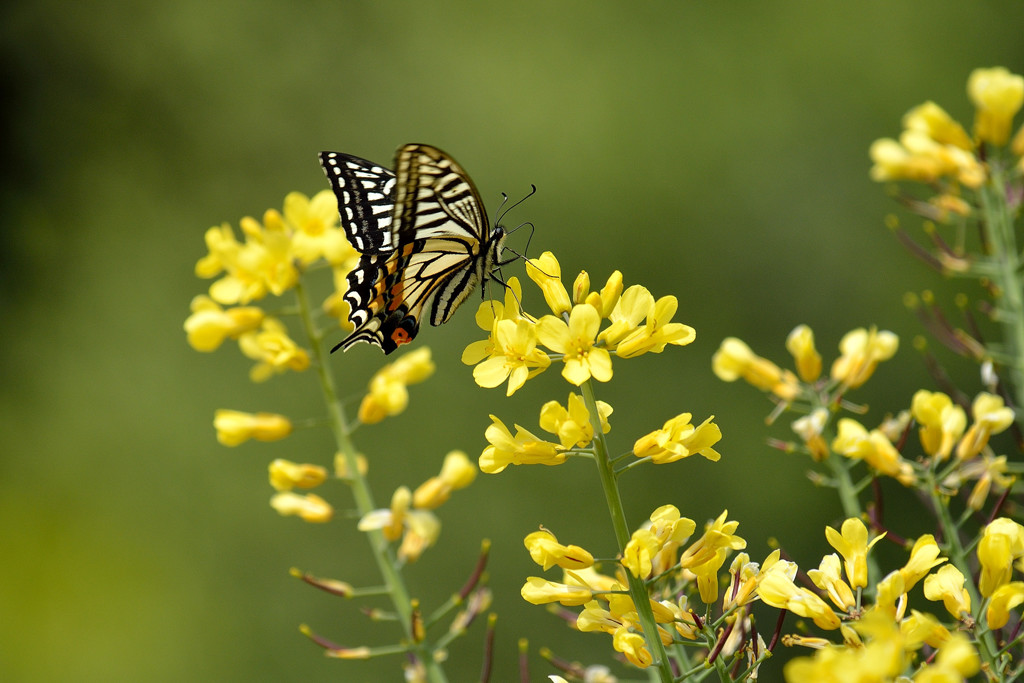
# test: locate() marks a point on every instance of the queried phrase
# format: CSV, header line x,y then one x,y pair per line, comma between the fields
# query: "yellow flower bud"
x,y
581,288
800,343
538,591
286,475
235,427
309,507
546,272
998,96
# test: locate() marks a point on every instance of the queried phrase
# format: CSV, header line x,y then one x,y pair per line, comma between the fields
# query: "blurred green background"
x,y
715,151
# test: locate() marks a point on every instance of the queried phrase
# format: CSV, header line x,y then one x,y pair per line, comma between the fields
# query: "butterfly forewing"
x,y
433,249
435,198
365,200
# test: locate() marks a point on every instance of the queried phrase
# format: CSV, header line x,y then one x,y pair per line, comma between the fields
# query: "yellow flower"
x,y
538,591
924,557
923,628
1004,599
880,660
457,472
309,507
422,529
657,332
892,161
523,449
678,439
747,575
487,314
810,428
547,552
630,307
778,590
667,529
388,393
261,265
998,96
609,295
874,448
890,596
956,661
390,521
572,424
235,427
920,158
828,577
632,646
581,288
942,423
719,534
575,342
547,274
852,544
988,470
947,585
286,475
734,360
315,231
800,343
274,351
1002,542
514,357
593,617
991,416
209,325
862,351
639,552
932,120
418,529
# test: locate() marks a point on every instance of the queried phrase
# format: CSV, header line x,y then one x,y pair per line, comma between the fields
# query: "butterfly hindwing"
x,y
433,251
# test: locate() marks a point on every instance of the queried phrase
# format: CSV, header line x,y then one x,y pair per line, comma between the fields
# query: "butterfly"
x,y
423,236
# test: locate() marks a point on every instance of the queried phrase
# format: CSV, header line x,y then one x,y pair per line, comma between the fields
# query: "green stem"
x,y
383,554
637,588
998,223
958,557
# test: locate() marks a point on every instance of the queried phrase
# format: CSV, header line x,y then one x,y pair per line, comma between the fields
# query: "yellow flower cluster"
x,y
677,439
880,641
861,351
274,251
409,516
658,551
388,395
943,427
520,346
935,149
270,260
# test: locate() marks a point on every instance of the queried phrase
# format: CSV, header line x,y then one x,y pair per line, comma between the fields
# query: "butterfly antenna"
x,y
502,213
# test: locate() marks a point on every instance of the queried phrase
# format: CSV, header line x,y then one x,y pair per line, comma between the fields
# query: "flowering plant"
x,y
676,597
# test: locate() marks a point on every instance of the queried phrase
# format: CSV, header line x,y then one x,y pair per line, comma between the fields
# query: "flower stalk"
x,y
382,551
637,588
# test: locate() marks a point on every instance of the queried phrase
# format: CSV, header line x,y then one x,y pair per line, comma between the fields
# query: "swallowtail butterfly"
x,y
423,236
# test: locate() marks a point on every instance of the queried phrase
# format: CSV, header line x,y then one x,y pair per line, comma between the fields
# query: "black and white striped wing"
x,y
441,246
365,200
434,197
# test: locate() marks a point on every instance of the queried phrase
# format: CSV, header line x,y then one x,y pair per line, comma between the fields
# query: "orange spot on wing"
x,y
400,336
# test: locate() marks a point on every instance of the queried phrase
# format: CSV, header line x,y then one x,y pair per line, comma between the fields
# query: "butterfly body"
x,y
423,236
